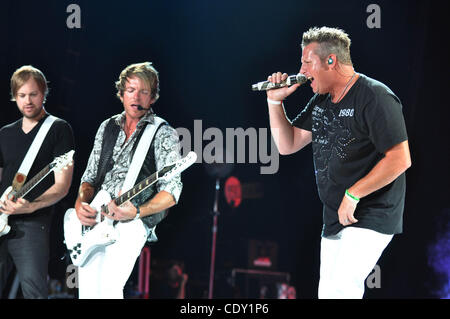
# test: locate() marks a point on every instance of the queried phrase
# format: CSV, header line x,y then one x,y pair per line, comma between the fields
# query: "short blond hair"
x,y
330,41
22,75
146,72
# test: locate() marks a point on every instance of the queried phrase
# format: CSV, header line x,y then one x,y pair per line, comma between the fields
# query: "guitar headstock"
x,y
169,171
63,161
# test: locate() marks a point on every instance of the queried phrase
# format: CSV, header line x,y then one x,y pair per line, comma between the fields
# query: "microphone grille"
x,y
301,78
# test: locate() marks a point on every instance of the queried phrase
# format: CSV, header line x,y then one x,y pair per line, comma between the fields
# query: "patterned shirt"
x,y
167,151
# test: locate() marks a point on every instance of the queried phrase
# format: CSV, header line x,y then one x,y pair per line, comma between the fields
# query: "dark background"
x,y
208,54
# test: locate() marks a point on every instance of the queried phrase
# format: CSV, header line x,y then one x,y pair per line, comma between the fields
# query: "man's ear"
x,y
331,60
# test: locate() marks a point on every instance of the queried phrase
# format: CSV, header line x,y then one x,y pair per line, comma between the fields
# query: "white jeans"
x,y
347,259
108,268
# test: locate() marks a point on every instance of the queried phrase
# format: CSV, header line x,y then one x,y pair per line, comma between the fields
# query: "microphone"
x,y
140,108
267,85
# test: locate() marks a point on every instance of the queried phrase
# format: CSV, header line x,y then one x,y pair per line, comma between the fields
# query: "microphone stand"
x,y
215,213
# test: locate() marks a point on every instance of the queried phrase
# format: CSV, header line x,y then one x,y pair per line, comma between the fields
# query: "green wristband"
x,y
351,196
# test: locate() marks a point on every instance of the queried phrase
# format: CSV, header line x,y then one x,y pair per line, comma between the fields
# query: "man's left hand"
x,y
21,206
346,211
124,212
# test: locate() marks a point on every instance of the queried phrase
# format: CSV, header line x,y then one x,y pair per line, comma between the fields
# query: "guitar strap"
x,y
139,157
24,169
109,139
140,153
105,162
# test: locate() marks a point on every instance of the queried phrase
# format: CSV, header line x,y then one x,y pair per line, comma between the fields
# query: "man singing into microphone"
x,y
360,150
116,145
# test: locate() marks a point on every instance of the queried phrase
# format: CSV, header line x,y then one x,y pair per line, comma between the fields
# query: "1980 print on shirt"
x,y
330,137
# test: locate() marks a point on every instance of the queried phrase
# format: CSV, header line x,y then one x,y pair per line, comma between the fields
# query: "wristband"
x,y
274,102
351,197
138,213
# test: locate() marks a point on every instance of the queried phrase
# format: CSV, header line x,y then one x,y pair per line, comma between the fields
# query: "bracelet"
x,y
138,213
351,197
274,102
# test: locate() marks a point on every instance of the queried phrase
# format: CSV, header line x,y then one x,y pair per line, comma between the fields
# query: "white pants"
x,y
108,268
347,259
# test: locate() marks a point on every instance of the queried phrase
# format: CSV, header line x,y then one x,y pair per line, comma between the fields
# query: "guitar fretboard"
x,y
136,189
33,182
139,187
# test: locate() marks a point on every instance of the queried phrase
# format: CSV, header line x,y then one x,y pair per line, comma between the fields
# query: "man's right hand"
x,y
86,214
281,93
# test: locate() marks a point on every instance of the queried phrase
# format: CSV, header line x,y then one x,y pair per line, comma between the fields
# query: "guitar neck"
x,y
34,181
136,189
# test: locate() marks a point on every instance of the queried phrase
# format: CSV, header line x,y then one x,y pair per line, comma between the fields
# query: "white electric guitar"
x,y
82,240
57,164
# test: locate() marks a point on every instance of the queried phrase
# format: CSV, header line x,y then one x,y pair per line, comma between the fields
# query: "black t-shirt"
x,y
14,144
348,139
